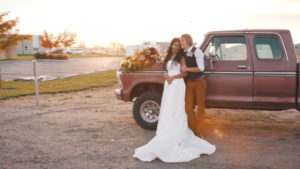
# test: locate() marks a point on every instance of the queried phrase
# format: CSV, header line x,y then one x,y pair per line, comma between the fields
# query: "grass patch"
x,y
23,88
25,57
21,57
88,96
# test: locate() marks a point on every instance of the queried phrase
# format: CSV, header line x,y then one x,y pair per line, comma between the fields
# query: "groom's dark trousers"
x,y
195,92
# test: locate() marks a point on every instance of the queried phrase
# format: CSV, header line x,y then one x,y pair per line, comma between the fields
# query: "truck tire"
x,y
146,109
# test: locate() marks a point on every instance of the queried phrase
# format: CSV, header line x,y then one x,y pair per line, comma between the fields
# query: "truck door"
x,y
230,77
274,82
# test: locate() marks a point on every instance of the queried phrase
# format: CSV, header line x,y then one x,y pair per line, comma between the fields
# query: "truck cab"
x,y
252,69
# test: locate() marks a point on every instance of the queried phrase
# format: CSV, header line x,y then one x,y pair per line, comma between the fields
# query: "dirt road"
x,y
91,129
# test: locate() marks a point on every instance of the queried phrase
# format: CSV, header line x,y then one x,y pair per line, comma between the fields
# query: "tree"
x,y
9,36
49,40
67,38
117,47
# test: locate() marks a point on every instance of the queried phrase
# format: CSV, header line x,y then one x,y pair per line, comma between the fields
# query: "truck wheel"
x,y
146,109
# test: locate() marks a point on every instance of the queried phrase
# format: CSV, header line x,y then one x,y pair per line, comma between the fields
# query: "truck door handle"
x,y
242,67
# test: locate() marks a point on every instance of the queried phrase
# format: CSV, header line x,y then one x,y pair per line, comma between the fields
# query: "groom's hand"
x,y
166,76
170,79
184,69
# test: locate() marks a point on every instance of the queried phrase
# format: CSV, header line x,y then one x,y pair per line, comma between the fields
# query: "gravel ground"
x,y
91,129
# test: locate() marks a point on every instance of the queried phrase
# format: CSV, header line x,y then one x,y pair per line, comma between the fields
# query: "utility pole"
x,y
36,83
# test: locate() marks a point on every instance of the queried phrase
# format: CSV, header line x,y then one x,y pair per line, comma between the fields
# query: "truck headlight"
x,y
119,73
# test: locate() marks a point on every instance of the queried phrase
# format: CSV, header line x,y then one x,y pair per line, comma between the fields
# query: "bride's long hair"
x,y
178,55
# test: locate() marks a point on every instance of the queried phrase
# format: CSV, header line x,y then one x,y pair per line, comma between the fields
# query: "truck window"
x,y
267,48
228,48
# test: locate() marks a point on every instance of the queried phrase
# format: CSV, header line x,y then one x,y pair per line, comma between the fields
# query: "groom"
x,y
195,84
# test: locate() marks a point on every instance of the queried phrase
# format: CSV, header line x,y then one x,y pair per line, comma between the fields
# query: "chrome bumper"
x,y
118,94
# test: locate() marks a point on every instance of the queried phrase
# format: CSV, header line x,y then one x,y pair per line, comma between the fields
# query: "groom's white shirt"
x,y
199,57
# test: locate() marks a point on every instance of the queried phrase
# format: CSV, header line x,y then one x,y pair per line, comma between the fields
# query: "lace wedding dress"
x,y
174,141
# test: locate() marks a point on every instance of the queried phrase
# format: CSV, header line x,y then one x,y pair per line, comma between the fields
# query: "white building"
x,y
161,47
31,46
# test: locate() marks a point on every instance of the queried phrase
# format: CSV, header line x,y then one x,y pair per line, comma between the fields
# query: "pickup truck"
x,y
252,69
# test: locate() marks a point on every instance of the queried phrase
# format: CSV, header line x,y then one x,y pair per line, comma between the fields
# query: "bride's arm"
x,y
181,75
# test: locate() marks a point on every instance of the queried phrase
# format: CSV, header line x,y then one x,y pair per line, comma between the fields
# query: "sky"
x,y
98,22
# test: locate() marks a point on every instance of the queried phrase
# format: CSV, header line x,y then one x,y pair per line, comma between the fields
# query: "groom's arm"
x,y
200,62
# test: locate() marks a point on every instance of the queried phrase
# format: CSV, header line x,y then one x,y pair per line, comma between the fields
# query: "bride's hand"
x,y
170,79
166,76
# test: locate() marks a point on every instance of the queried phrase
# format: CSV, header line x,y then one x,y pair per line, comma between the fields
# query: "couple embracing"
x,y
179,136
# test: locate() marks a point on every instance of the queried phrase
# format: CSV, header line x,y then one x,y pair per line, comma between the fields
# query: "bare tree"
x,y
117,47
67,38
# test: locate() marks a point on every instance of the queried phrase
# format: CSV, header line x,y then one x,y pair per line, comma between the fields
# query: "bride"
x,y
174,141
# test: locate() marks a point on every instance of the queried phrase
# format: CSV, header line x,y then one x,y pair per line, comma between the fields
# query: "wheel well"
x,y
140,88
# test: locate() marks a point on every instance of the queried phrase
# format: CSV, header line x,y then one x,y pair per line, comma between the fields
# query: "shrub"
x,y
40,55
51,56
58,51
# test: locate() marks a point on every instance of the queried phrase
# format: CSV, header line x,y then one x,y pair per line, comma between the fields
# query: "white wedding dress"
x,y
174,141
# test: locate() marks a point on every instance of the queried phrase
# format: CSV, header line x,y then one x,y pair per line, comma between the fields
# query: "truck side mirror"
x,y
212,52
212,55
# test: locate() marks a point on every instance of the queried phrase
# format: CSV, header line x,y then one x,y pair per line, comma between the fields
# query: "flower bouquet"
x,y
140,60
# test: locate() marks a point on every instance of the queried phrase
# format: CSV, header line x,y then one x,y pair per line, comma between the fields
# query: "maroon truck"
x,y
253,69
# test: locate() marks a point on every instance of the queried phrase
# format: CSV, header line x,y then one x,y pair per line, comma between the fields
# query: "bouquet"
x,y
141,59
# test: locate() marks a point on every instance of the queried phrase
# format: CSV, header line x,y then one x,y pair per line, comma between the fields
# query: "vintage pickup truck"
x,y
255,69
